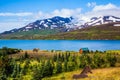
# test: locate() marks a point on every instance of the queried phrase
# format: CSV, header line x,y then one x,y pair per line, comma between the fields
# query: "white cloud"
x,y
62,13
97,11
66,12
16,14
102,10
6,26
104,7
91,4
39,15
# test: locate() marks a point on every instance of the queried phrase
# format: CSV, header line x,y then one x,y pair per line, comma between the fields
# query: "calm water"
x,y
74,45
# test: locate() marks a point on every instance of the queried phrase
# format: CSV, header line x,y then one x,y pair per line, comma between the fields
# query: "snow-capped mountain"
x,y
50,23
102,20
65,24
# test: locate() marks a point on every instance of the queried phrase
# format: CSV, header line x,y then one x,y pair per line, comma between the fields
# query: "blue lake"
x,y
73,45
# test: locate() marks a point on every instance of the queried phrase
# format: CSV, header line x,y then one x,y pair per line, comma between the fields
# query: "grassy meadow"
x,y
98,74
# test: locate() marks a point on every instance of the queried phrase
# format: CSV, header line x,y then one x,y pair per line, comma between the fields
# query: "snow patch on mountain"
x,y
102,20
66,24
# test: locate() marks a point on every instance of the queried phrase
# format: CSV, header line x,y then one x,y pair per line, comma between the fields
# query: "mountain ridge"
x,y
67,24
49,23
58,25
98,32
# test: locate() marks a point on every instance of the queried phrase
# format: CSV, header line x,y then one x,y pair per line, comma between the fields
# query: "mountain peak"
x,y
102,20
49,23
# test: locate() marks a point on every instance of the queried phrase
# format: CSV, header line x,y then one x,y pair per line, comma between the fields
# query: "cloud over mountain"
x,y
16,14
102,10
62,12
27,17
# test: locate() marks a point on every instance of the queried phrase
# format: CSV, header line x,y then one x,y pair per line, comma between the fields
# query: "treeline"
x,y
6,50
38,68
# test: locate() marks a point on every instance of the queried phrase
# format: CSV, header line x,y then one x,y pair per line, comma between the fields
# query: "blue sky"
x,y
47,5
17,13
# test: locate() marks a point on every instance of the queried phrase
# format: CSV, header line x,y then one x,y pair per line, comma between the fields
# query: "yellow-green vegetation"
x,y
98,74
114,51
43,64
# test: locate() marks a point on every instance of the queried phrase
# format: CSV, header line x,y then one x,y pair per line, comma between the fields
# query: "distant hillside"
x,y
32,34
109,31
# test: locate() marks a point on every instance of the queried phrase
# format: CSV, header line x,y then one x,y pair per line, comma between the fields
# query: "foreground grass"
x,y
98,74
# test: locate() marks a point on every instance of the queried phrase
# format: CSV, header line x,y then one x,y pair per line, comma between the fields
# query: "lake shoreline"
x,y
65,45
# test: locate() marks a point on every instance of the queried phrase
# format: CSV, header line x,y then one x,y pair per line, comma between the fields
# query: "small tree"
x,y
65,66
26,55
58,68
39,72
48,69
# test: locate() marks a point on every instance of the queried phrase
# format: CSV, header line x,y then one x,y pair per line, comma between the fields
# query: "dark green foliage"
x,y
111,59
44,70
58,67
38,73
55,57
70,66
65,66
48,69
5,67
6,50
26,55
2,76
16,71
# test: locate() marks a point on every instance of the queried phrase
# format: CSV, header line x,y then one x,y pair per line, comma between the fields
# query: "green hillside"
x,y
32,34
104,32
